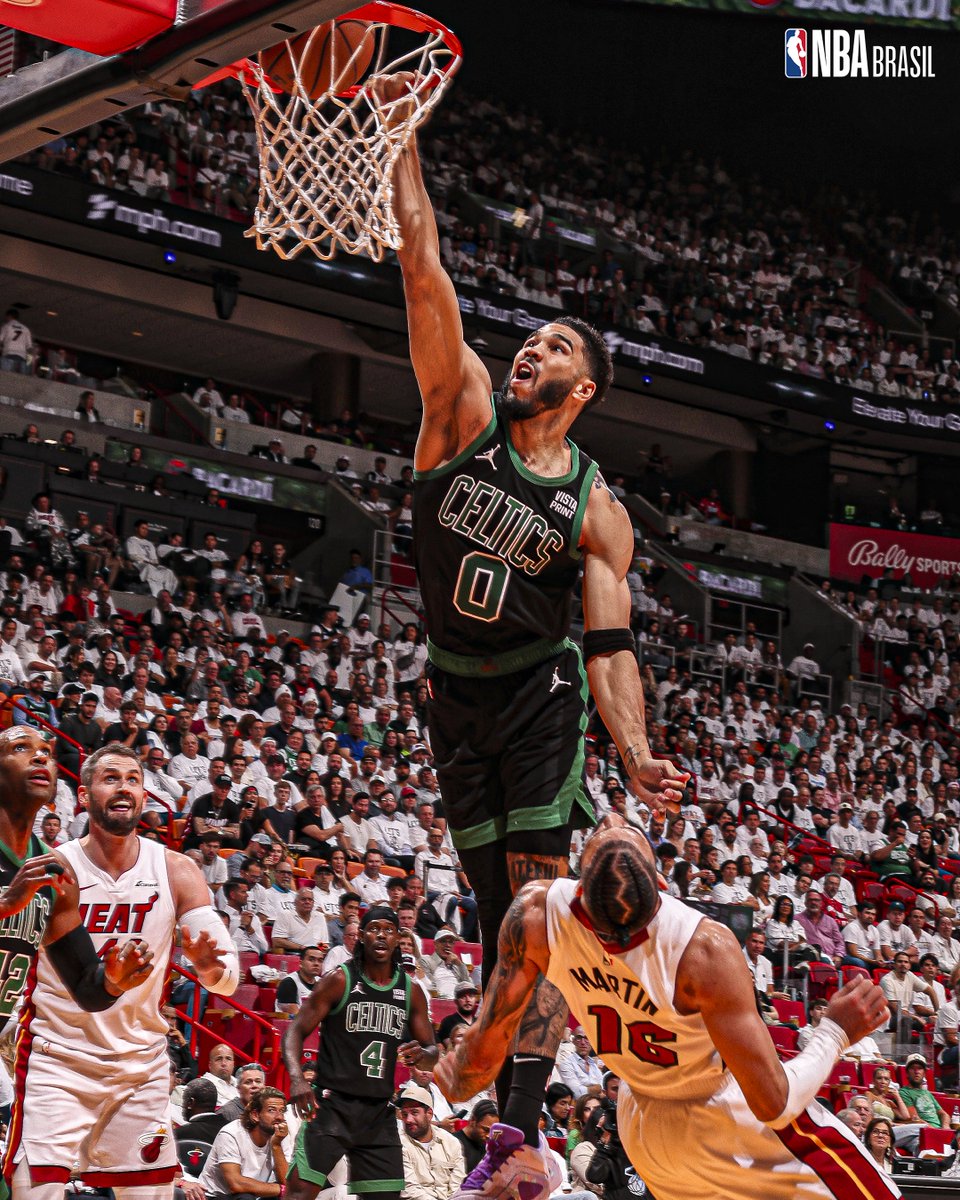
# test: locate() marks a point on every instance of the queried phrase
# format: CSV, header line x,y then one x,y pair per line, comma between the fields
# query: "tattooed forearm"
x,y
523,868
541,1026
634,756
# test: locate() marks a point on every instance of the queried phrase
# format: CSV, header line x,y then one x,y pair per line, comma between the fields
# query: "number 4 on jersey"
x,y
374,1059
644,1039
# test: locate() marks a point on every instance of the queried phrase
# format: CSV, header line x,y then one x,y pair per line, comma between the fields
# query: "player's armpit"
x,y
522,955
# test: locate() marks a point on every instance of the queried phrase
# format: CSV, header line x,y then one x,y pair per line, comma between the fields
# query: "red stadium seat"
x,y
784,1037
848,973
440,1009
266,999
790,1010
822,981
248,959
935,1139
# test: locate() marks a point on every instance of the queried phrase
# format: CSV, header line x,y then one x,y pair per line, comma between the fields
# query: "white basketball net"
x,y
326,164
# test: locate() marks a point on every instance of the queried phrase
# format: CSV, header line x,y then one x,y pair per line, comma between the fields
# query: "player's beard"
x,y
544,397
119,826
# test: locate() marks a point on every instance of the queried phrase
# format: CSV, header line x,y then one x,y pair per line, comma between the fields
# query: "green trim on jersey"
x,y
33,849
543,480
464,454
584,500
571,790
375,1185
304,1170
341,1003
385,987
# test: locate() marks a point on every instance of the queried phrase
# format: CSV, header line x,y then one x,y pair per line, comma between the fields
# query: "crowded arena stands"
x,y
222,579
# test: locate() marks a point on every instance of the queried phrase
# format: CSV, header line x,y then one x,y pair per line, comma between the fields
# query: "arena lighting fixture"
x,y
169,257
829,426
647,380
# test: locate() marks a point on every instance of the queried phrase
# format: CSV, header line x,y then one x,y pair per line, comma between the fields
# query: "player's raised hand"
x,y
859,1008
391,96
127,966
202,952
410,1053
46,870
656,781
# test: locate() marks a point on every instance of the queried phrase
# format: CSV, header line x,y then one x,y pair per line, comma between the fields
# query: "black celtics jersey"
x,y
496,547
22,933
360,1037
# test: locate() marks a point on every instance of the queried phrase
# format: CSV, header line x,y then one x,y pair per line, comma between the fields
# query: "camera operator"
x,y
609,1167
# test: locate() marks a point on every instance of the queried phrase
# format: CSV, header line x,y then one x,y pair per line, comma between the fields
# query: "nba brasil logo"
x,y
795,53
839,54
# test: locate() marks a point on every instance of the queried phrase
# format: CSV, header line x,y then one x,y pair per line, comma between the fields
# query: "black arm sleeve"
x,y
76,962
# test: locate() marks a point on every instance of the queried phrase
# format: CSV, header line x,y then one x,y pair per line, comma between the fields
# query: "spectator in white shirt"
x,y
293,930
581,1071
371,883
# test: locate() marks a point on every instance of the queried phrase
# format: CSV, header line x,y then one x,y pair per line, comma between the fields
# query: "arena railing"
x,y
169,829
265,1048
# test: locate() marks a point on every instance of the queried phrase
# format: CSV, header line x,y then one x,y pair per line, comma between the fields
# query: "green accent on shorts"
x,y
496,664
546,816
304,1170
375,1185
571,790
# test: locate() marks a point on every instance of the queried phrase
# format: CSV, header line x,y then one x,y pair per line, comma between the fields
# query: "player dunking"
x,y
507,510
96,1090
705,1108
369,1015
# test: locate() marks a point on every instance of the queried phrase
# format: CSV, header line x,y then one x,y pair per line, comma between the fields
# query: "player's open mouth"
x,y
525,373
39,776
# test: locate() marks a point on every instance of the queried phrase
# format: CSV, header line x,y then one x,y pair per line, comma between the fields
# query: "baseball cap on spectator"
x,y
262,839
412,1094
939,816
71,689
845,805
464,987
323,866
377,779
364,617
895,906
407,791
418,748
328,737
912,1058
222,781
446,934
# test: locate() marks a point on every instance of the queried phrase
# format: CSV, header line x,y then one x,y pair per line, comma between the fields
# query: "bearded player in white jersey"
x,y
95,1089
705,1109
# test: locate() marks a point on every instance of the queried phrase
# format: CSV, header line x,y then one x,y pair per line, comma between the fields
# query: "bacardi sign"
x,y
856,551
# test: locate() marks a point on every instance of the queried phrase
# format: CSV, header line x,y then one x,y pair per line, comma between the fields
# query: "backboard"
x,y
76,88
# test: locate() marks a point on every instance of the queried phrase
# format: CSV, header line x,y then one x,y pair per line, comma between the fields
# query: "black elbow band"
x,y
76,962
598,642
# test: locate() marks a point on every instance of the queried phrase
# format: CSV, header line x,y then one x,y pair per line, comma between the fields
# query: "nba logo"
x,y
795,53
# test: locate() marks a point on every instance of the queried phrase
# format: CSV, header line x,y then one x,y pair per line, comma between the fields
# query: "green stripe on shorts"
x,y
375,1185
571,790
304,1170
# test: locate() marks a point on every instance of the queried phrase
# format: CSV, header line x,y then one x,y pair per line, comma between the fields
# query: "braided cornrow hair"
x,y
620,888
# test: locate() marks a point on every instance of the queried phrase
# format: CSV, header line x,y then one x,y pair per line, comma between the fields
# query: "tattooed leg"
x,y
541,1026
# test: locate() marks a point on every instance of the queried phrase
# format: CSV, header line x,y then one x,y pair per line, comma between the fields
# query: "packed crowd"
x,y
302,773
681,250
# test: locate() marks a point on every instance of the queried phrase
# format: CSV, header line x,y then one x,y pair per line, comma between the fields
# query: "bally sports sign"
x,y
856,550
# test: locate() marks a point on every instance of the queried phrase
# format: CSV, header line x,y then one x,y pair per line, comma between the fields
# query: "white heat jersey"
x,y
137,905
625,1001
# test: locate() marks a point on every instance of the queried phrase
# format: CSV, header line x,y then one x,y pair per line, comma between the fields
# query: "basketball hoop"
x,y
326,160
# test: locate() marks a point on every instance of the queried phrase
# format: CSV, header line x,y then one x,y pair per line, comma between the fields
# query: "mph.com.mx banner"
x,y
917,14
857,550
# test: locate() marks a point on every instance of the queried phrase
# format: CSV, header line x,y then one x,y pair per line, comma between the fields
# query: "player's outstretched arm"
x,y
326,995
713,980
615,676
454,383
522,955
203,935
